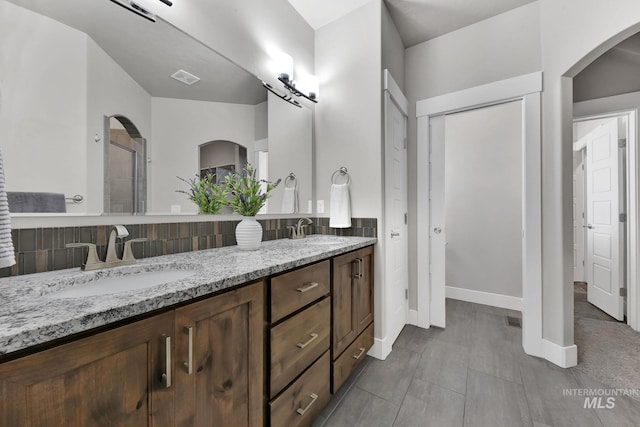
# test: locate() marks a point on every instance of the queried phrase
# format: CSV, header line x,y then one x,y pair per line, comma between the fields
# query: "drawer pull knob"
x,y
308,287
359,354
313,337
313,397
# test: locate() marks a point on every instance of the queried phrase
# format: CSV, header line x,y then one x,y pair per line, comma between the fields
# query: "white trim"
x,y
527,88
412,317
394,90
381,348
479,96
485,298
565,357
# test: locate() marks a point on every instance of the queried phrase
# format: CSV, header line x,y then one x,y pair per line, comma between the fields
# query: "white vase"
x,y
248,234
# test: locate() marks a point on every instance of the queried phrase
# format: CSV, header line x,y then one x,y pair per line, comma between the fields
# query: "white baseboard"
x,y
412,317
381,348
486,298
565,357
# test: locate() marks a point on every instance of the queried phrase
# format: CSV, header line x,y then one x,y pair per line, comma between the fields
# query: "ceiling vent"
x,y
185,77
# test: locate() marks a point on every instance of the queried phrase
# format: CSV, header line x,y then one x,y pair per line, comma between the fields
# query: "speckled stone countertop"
x,y
29,314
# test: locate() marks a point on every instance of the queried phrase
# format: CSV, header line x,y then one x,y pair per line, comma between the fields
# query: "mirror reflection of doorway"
x,y
125,168
221,158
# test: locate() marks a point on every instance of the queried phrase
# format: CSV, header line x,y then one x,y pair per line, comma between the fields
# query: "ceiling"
x,y
416,20
150,52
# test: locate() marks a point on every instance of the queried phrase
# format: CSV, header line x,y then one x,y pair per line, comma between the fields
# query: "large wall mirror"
x,y
98,102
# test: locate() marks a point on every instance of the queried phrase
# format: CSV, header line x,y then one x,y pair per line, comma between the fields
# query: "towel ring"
x,y
291,179
343,172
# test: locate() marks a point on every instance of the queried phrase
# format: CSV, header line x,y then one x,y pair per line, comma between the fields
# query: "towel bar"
x,y
343,172
291,179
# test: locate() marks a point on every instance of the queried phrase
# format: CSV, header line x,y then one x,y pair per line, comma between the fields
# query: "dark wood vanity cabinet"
x,y
226,360
153,372
352,314
219,360
111,378
298,346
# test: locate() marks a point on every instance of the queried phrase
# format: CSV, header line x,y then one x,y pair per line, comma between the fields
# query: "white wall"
x,y
43,106
483,199
179,127
501,47
348,119
392,48
290,150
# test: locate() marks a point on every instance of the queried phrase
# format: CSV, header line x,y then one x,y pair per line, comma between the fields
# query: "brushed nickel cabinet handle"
x,y
303,345
361,268
166,375
359,354
356,268
307,287
189,363
313,397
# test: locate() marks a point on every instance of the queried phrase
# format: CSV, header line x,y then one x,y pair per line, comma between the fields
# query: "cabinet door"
x,y
112,378
219,360
364,289
345,328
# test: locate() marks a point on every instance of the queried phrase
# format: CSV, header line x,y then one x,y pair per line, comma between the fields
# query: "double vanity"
x,y
212,337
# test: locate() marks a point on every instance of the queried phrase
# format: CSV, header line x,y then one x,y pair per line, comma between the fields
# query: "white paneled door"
x,y
397,270
605,231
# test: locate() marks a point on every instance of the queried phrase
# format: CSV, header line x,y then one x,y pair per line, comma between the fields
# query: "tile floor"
x,y
473,373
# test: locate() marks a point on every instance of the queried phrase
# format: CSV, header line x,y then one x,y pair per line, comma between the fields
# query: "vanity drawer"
x,y
292,291
302,401
297,342
352,356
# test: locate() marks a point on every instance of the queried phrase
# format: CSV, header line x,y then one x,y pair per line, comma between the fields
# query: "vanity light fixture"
x,y
141,7
306,87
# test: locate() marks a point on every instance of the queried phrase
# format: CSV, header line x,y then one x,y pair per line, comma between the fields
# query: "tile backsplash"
x,y
44,249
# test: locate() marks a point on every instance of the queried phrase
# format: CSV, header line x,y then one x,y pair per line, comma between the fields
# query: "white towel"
x,y
340,210
7,256
290,200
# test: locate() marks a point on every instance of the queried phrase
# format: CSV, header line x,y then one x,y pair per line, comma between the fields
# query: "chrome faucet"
x,y
297,231
93,262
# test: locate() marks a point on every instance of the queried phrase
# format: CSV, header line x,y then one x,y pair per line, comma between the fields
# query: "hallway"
x,y
474,373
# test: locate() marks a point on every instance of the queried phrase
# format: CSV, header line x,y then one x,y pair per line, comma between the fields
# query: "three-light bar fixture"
x,y
142,7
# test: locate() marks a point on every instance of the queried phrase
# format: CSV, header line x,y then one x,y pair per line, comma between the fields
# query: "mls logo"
x,y
598,403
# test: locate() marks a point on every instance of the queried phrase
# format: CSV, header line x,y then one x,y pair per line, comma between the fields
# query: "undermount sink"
x,y
113,284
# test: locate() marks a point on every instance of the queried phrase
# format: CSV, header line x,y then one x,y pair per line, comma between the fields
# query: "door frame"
x,y
391,93
430,300
632,205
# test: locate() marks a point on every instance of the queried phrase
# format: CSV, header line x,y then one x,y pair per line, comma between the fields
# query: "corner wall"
x,y
348,119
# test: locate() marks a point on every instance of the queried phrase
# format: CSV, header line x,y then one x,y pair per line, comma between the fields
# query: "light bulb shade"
x,y
283,65
309,85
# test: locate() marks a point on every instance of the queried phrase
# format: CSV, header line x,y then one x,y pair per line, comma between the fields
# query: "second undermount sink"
x,y
112,284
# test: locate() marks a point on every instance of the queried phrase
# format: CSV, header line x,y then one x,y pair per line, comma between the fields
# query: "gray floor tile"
x,y
390,378
362,409
545,386
625,411
413,338
427,404
492,401
319,422
492,348
342,392
444,364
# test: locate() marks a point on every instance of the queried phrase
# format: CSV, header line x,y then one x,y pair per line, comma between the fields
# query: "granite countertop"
x,y
29,315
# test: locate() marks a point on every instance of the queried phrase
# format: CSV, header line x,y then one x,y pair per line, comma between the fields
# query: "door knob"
x,y
589,226
394,234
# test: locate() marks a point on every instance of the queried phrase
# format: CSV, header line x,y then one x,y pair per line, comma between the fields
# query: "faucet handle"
x,y
127,256
92,261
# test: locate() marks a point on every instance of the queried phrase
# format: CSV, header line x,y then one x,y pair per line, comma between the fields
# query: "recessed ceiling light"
x,y
185,77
